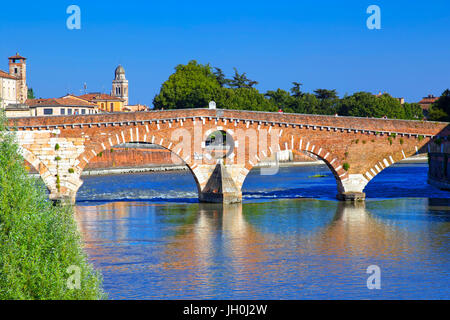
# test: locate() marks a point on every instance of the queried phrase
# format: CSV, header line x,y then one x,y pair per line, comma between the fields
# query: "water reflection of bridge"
x,y
209,245
352,230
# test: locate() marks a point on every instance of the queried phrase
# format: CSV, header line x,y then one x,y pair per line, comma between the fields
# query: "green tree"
x,y
325,94
435,114
220,77
243,99
306,103
194,85
296,90
328,100
191,86
241,81
365,104
281,99
30,94
440,110
413,111
390,107
38,241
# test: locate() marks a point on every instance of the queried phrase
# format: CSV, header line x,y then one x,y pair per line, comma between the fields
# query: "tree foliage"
x,y
194,85
296,90
243,99
38,241
220,77
440,110
325,94
241,81
191,86
30,94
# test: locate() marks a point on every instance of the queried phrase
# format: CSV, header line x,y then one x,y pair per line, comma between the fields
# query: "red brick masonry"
x,y
355,149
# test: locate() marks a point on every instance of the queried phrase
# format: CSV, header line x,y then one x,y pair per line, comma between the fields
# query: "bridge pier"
x,y
64,190
221,187
351,196
351,188
62,198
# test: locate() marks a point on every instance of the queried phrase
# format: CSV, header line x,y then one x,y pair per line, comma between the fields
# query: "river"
x,y
289,239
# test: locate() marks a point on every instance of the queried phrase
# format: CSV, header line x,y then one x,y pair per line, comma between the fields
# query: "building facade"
x,y
7,89
67,105
105,102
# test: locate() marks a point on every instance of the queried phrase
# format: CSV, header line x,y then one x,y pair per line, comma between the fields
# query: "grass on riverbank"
x,y
38,241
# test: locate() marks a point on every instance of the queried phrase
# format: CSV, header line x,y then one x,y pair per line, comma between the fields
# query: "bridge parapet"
x,y
315,122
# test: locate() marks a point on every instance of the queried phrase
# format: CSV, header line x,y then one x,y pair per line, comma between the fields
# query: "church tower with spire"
x,y
120,85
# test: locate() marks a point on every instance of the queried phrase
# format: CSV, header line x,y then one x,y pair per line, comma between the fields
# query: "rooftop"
x,y
119,69
428,99
99,97
64,101
4,74
17,56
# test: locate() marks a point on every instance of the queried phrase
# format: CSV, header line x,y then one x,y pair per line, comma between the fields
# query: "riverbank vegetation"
x,y
193,85
41,251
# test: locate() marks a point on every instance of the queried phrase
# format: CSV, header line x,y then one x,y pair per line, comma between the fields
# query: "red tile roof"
x,y
65,101
428,100
4,74
17,56
99,97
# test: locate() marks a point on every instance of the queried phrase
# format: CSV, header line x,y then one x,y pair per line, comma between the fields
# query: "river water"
x,y
289,239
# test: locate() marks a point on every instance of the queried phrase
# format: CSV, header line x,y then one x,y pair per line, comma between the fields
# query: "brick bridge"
x,y
355,149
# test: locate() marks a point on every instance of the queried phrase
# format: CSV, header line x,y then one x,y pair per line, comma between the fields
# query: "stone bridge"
x,y
354,149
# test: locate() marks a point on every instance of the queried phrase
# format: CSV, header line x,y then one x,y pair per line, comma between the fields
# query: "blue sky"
x,y
323,44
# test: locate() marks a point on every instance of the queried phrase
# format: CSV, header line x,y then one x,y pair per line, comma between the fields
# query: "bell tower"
x,y
18,69
120,85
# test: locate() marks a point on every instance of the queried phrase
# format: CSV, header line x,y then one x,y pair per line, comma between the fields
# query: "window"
x,y
112,107
75,111
15,70
48,111
69,111
63,111
83,111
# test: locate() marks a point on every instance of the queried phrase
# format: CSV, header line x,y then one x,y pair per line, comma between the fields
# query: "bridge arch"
x,y
297,143
47,177
392,155
135,134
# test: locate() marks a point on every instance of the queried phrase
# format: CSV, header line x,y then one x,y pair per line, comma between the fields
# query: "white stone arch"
x,y
43,171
